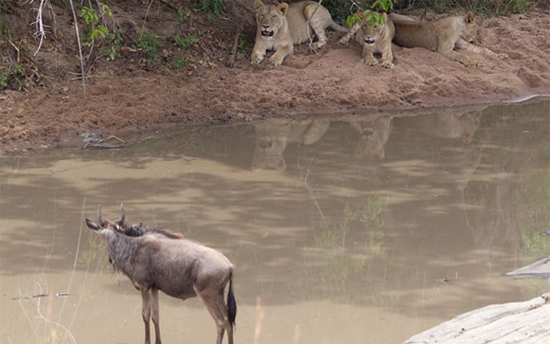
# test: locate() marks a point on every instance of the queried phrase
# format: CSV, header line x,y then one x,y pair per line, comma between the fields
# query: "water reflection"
x,y
356,230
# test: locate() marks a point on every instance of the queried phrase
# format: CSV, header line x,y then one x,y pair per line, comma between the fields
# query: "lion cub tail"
x,y
337,27
400,19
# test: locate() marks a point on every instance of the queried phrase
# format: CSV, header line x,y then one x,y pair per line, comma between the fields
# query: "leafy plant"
x,y
183,13
493,7
214,6
372,214
241,46
12,76
180,14
92,29
372,217
3,81
328,238
335,234
369,16
179,63
186,42
114,40
149,44
383,5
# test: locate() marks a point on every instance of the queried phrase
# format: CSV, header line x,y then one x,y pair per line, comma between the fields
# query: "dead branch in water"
x,y
38,295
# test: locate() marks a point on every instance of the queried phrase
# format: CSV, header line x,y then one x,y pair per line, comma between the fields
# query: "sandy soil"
x,y
330,81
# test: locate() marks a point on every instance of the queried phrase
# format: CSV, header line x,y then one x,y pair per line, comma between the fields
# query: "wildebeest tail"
x,y
231,303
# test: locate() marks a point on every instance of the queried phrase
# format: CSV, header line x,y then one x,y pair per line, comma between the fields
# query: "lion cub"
x,y
376,39
443,35
283,25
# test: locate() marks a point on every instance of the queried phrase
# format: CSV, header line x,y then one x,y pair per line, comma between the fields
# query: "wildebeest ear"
x,y
258,4
92,225
283,7
469,18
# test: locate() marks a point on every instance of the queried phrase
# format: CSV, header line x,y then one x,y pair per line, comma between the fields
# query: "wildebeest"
x,y
157,259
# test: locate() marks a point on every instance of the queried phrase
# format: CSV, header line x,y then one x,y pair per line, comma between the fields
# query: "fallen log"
x,y
539,269
526,322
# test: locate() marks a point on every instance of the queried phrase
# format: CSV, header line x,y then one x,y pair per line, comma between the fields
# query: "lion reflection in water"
x,y
273,137
374,133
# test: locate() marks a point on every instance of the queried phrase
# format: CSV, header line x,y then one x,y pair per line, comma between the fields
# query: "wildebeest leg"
x,y
146,313
211,301
156,318
223,309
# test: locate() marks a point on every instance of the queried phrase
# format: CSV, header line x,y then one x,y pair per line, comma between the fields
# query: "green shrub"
x,y
114,43
185,43
214,6
179,63
150,44
12,76
341,9
495,7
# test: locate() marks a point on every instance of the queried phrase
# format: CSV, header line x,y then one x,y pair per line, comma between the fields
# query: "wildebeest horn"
x,y
101,222
122,216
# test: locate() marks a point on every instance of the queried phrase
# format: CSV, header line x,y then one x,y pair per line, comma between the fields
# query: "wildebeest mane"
x,y
139,230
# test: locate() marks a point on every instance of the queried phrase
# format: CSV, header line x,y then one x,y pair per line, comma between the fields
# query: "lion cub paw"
x,y
344,40
370,61
388,65
471,63
476,64
256,59
275,60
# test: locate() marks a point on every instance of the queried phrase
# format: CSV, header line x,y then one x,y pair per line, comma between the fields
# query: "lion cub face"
x,y
471,32
369,35
270,18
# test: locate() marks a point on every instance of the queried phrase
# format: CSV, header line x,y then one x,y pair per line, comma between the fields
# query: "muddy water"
x,y
356,230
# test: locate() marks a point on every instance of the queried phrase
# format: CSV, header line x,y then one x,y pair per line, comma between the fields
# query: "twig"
x,y
100,11
314,199
17,49
58,324
169,5
145,19
355,4
102,145
39,22
91,44
233,53
79,46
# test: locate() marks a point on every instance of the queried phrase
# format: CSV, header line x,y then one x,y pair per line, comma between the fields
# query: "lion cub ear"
x,y
258,4
283,7
362,15
469,18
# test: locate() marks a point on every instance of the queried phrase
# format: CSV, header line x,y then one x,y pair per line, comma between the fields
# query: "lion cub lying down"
x,y
283,25
376,39
443,35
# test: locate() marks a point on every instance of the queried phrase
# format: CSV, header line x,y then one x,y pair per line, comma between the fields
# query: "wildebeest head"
x,y
106,225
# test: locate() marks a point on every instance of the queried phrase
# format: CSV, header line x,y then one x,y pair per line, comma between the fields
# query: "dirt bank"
x,y
121,98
